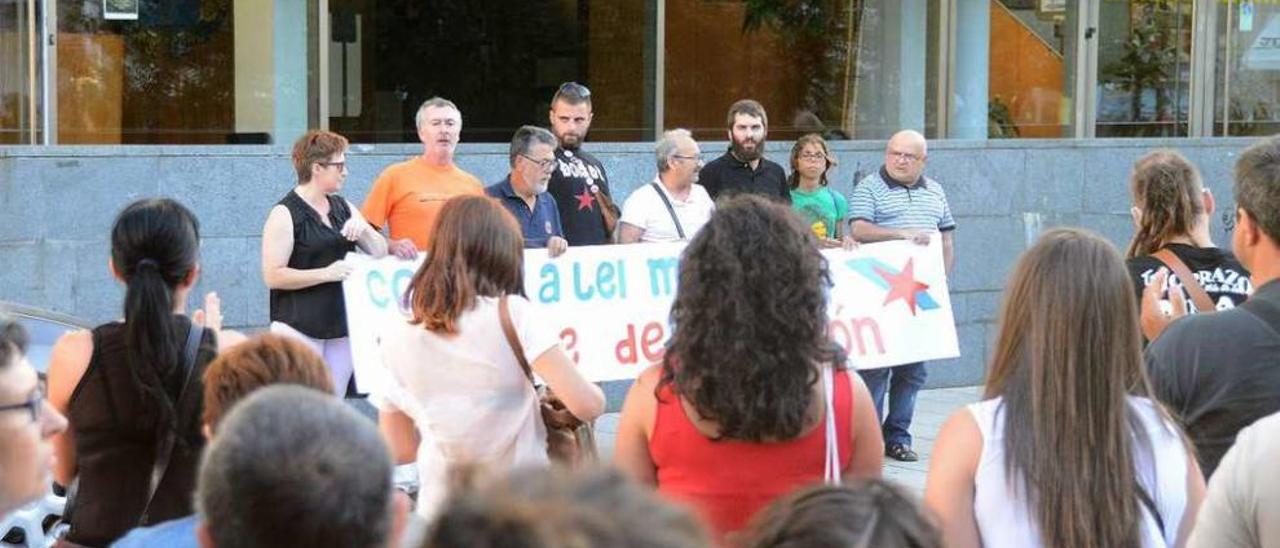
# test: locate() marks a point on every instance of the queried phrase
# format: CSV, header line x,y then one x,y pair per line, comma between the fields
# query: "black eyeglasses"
x,y
33,406
574,89
339,165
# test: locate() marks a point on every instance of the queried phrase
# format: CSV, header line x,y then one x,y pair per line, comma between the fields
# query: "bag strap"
x,y
509,331
835,206
606,205
1150,503
166,440
667,202
1201,298
831,473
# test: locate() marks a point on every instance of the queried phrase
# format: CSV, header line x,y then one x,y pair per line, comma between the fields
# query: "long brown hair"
x,y
1067,357
1167,188
477,251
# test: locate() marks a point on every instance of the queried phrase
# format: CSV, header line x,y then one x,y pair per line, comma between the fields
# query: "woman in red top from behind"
x,y
735,415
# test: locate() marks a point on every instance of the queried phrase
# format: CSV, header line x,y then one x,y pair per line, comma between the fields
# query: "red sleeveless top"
x,y
727,482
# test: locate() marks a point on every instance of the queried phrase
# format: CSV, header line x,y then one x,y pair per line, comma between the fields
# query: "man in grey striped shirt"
x,y
899,203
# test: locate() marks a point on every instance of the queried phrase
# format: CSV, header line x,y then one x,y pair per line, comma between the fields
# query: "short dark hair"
x,y
293,467
1257,185
526,137
539,508
750,107
572,93
870,512
13,340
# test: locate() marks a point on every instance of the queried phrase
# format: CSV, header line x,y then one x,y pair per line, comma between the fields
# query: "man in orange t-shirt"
x,y
407,196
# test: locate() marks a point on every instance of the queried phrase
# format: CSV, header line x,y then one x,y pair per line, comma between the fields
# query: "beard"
x,y
570,141
748,155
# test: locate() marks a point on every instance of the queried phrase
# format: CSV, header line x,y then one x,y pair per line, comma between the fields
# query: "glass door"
x,y
1144,68
20,72
1247,94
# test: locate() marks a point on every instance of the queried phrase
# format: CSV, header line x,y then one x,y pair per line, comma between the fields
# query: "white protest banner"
x,y
888,305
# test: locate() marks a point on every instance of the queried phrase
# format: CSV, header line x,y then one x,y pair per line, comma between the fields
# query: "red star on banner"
x,y
902,285
585,200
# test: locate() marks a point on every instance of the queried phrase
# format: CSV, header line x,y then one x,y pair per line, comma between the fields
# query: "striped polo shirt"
x,y
884,202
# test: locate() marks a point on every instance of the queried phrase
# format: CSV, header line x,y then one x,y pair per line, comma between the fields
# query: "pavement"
x,y
932,409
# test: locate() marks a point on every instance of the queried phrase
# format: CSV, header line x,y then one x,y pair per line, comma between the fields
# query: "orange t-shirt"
x,y
408,196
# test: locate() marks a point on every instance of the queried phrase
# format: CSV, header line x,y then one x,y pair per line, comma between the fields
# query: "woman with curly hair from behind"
x,y
736,414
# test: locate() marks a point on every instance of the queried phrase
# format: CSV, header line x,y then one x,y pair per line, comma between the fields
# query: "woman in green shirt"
x,y
822,209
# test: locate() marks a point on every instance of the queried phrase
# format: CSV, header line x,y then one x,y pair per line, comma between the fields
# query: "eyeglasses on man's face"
x,y
545,164
340,165
904,156
689,157
34,406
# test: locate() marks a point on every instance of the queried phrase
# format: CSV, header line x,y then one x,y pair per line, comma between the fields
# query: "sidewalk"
x,y
932,409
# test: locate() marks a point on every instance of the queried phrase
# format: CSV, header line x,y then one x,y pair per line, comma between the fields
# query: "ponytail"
x,y
154,246
1167,188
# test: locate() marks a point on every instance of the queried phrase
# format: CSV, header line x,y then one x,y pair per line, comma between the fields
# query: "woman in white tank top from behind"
x,y
1067,449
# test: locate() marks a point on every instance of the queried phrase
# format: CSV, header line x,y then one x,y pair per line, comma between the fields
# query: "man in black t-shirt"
x,y
1220,372
743,168
579,183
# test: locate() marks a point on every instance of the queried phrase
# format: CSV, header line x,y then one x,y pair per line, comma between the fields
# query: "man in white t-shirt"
x,y
673,207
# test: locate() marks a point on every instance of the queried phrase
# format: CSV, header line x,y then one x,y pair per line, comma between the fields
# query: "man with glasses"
x,y
743,168
899,203
407,196
673,207
524,191
27,424
579,183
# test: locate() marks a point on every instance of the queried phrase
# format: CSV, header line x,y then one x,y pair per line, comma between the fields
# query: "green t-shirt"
x,y
823,210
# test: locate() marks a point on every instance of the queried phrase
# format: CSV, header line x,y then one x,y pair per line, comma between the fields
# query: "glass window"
x,y
499,61
1144,68
840,67
182,71
1248,69
20,66
1029,94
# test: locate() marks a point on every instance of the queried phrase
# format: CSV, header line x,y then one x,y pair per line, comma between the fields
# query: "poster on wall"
x,y
888,305
120,10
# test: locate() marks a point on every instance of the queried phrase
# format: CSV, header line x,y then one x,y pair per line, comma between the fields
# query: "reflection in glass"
x,y
19,74
1248,69
1029,92
1144,74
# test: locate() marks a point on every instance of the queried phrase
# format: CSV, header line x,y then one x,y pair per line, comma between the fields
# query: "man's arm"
x,y
865,231
629,233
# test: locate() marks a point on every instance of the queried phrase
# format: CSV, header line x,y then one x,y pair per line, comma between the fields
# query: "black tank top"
x,y
317,311
115,439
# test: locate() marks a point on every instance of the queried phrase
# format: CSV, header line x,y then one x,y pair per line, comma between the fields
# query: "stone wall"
x,y
57,205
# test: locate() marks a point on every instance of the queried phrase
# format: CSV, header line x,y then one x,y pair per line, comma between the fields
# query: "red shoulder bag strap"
x,y
1198,295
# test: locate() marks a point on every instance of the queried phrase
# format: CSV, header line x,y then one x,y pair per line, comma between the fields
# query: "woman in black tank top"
x,y
304,241
129,390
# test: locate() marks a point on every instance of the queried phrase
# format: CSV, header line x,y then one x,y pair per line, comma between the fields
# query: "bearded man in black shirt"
x,y
579,183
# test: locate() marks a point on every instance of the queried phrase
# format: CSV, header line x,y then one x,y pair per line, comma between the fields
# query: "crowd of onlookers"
x,y
1129,399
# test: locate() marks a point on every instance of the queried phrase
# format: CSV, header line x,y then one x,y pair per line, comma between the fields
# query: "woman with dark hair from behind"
x,y
1171,214
1068,448
532,508
472,402
304,242
737,413
124,385
867,513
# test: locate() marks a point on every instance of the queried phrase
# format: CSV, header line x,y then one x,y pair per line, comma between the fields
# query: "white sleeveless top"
x,y
1004,517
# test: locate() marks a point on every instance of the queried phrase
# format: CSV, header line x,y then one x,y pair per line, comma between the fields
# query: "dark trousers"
x,y
901,383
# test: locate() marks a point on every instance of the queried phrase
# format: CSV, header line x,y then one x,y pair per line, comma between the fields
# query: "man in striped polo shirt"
x,y
899,203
